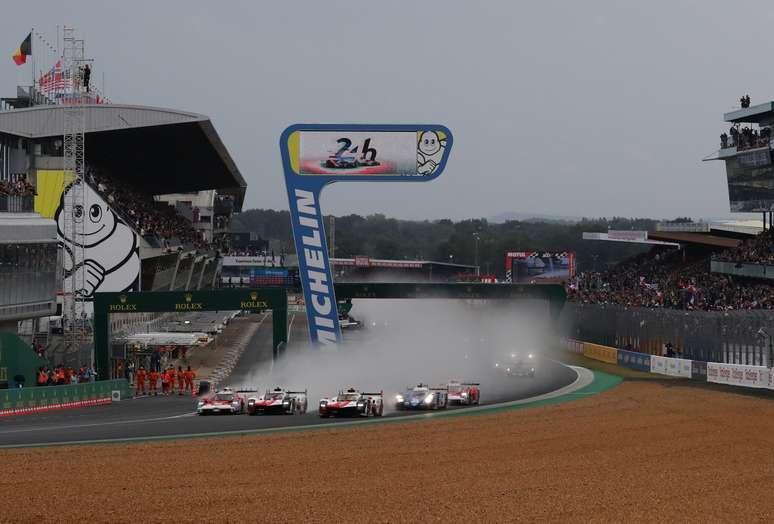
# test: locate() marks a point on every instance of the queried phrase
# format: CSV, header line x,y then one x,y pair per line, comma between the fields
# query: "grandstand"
x,y
158,191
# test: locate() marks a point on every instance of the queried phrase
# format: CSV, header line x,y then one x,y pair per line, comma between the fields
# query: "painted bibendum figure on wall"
x,y
110,254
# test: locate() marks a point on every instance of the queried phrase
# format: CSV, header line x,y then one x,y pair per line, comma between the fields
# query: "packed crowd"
x,y
60,376
745,138
758,250
664,280
19,187
150,218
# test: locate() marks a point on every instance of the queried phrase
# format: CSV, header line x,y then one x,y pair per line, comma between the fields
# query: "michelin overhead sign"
x,y
316,155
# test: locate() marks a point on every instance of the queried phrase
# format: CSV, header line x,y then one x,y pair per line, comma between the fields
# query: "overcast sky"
x,y
592,108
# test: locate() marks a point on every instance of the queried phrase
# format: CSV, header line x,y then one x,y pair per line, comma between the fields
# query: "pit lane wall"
x,y
37,399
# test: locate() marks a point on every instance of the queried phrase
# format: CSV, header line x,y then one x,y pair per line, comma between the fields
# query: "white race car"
x,y
353,403
278,401
225,400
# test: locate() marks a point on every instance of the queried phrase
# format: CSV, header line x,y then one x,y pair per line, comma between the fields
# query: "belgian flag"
x,y
23,51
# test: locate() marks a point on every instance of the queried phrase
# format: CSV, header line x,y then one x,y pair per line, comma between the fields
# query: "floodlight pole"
x,y
477,237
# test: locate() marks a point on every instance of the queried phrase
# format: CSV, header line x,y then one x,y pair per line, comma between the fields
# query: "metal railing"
x,y
738,337
17,204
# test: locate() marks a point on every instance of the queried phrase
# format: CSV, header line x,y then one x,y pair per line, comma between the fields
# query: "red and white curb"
x,y
54,407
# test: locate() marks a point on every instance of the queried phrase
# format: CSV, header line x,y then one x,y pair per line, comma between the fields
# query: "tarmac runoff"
x,y
585,383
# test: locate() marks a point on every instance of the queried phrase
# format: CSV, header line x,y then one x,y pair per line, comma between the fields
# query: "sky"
x,y
594,108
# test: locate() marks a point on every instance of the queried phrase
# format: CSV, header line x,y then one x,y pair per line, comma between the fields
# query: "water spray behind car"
x,y
408,342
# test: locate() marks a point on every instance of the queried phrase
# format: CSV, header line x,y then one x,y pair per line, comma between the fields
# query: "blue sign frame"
x,y
314,267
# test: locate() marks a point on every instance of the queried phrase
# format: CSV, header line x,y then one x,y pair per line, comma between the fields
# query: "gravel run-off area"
x,y
644,451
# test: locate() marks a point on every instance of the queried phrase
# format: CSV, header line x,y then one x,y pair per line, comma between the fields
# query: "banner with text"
x,y
738,375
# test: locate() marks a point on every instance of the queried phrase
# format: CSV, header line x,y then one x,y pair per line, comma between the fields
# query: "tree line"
x,y
378,236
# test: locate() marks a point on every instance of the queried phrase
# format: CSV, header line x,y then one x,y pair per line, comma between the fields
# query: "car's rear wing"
x,y
470,383
297,392
379,394
243,389
440,388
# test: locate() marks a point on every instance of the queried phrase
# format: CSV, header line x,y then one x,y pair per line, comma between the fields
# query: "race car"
x,y
341,162
347,322
518,364
279,401
464,393
422,397
353,403
225,400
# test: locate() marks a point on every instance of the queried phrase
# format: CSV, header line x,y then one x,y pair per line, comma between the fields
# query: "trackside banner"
x,y
634,360
673,367
315,155
738,375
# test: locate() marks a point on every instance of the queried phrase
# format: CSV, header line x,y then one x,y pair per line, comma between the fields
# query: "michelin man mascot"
x,y
111,259
429,152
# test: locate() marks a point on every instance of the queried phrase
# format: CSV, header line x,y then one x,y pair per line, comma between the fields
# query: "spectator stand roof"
x,y
366,262
762,114
159,150
713,239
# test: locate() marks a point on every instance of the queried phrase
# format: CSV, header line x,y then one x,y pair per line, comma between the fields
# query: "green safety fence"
x,y
38,397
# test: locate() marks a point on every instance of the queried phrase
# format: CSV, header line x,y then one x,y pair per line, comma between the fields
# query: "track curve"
x,y
167,417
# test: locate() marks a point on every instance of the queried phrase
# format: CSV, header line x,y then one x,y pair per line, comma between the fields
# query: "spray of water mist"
x,y
410,341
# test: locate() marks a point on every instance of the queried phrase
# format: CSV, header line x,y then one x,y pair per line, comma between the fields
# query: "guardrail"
x,y
44,398
17,204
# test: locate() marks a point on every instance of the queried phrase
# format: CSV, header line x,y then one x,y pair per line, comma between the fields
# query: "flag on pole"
x,y
23,51
55,81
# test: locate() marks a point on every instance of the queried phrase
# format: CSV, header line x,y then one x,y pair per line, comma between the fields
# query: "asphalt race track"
x,y
175,415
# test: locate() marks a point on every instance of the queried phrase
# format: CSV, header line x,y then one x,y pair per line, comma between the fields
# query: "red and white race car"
x,y
225,400
278,401
352,403
464,393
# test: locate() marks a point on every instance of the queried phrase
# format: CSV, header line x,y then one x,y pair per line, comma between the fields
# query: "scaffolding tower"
x,y
74,314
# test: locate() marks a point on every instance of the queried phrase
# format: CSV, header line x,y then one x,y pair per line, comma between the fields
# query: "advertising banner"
x,y
673,367
574,346
359,153
315,155
658,365
738,375
634,360
539,266
601,353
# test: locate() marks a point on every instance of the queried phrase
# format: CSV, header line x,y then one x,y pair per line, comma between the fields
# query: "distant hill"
x,y
533,217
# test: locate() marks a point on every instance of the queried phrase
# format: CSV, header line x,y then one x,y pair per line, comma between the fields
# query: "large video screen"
x,y
751,182
541,266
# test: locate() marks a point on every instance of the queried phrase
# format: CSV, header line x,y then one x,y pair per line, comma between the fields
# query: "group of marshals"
x,y
167,379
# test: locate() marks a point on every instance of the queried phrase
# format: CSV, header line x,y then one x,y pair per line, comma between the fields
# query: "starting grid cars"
x,y
347,402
